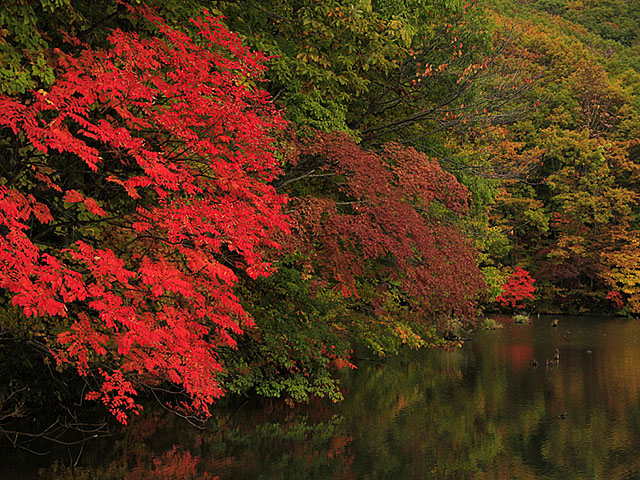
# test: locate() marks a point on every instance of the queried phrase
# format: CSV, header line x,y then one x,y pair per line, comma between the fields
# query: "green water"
x,y
483,411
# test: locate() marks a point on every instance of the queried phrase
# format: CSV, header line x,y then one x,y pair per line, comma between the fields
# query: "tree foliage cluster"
x,y
152,185
574,223
235,203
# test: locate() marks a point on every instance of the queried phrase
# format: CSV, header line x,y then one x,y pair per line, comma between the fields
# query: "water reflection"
x,y
483,411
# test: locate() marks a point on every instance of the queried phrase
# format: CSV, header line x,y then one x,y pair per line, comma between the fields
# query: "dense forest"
x,y
206,198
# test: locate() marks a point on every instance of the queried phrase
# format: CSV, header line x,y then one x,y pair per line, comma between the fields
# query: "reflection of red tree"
x,y
338,445
173,465
520,356
339,448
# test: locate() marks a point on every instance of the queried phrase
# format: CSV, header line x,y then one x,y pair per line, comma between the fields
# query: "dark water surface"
x,y
482,411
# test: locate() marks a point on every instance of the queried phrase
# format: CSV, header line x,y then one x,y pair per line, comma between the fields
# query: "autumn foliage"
x,y
519,287
141,195
164,230
396,208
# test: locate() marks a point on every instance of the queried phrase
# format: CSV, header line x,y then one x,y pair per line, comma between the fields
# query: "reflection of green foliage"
x,y
471,413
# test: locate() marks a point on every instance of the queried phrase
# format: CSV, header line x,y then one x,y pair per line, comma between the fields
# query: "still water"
x,y
483,411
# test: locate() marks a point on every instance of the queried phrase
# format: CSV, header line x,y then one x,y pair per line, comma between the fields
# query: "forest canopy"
x,y
209,198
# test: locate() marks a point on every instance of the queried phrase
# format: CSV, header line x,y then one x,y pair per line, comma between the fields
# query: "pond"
x,y
482,411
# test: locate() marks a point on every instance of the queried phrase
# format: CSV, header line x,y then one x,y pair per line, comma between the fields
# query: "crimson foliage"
x,y
137,192
394,222
518,287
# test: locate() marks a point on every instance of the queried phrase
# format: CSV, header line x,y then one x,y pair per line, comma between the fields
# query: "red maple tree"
x,y
137,192
518,287
394,221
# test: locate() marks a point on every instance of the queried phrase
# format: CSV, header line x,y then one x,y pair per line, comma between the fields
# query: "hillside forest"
x,y
207,198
